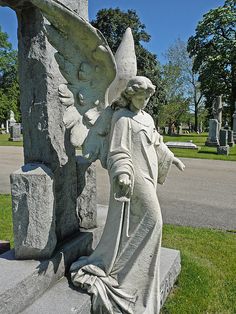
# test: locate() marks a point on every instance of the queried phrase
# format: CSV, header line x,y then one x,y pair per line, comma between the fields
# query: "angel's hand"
x,y
124,183
178,163
71,117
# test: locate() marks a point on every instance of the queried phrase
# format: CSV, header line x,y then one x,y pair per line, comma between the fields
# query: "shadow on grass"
x,y
202,152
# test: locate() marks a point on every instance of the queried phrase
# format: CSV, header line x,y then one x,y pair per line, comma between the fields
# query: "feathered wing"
x,y
88,65
86,62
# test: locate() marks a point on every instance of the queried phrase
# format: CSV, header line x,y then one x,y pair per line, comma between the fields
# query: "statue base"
x,y
30,286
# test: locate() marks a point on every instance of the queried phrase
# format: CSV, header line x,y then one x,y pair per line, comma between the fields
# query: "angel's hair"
x,y
138,84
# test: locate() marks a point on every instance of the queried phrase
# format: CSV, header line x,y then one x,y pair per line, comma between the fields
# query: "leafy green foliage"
x,y
213,49
9,87
186,81
113,23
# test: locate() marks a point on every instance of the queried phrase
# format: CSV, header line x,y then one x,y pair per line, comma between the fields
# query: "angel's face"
x,y
140,100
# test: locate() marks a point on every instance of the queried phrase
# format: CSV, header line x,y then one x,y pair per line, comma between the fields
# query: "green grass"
x,y
5,142
199,139
204,152
6,229
207,283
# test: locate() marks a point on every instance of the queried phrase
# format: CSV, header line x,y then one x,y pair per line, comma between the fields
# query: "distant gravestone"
x,y
213,139
187,145
15,133
223,149
217,110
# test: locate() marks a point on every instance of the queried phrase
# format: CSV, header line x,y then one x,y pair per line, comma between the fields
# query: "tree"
x,y
9,87
187,80
213,49
176,107
113,23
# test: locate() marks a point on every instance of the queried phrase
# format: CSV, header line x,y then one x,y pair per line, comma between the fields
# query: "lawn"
x,y
207,283
6,230
203,152
4,141
199,139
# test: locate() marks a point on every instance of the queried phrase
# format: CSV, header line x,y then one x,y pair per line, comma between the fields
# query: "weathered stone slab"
x,y
187,145
213,137
223,137
23,282
33,205
64,298
87,194
15,133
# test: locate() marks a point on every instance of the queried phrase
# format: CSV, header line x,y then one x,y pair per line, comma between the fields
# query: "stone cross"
x,y
47,150
217,110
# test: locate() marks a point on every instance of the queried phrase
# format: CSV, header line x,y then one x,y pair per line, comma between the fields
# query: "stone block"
x,y
64,298
223,137
15,132
39,287
213,139
23,282
187,145
32,188
223,150
87,195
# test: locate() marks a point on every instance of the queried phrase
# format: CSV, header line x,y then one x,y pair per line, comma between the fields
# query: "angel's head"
x,y
136,94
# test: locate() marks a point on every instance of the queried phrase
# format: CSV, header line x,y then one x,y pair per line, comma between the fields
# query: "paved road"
x,y
203,195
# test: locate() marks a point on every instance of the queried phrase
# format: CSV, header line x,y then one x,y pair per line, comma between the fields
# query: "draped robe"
x,y
122,273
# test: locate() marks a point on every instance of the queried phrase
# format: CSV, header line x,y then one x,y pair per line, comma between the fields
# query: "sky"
x,y
165,20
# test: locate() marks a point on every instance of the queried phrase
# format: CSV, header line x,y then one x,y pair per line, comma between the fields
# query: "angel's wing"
x,y
86,62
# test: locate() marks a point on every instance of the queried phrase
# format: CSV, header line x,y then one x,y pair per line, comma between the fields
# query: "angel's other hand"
x,y
178,163
71,117
125,183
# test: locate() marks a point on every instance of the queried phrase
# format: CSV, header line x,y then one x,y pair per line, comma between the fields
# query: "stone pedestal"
x,y
213,137
33,287
33,205
15,133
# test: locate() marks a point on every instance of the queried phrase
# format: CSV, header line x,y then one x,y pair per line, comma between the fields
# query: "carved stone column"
x,y
46,141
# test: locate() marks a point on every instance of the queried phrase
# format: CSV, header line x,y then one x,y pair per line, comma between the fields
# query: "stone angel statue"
x,y
105,103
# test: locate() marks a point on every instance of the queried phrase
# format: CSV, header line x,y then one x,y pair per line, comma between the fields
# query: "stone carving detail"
x,y
122,274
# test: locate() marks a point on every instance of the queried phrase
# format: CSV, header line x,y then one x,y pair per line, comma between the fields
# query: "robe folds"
x,y
122,274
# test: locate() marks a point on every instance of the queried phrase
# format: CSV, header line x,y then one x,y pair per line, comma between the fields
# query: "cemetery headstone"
x,y
223,148
15,133
213,136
